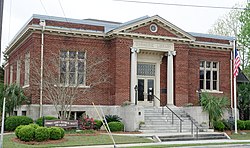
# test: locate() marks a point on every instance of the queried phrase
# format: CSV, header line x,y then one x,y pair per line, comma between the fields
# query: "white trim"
x,y
77,86
153,25
211,45
211,91
25,86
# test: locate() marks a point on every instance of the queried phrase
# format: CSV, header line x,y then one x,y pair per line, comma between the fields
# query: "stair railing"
x,y
192,128
173,113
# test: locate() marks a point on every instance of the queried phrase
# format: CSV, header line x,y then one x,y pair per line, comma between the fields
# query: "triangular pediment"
x,y
142,27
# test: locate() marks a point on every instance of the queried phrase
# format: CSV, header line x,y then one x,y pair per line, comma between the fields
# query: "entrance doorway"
x,y
146,83
146,88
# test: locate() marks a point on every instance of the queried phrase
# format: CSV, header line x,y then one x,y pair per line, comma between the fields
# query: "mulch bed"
x,y
39,143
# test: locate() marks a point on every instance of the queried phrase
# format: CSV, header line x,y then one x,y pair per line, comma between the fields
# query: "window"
x,y
145,69
209,75
24,113
18,72
72,67
27,68
11,74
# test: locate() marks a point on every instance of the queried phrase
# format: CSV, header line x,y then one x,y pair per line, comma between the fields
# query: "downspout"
x,y
42,24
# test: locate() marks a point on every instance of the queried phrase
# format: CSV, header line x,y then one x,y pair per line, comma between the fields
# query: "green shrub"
x,y
227,124
39,121
241,124
112,118
42,134
247,124
17,130
62,132
55,133
218,125
14,121
98,124
116,126
35,126
27,133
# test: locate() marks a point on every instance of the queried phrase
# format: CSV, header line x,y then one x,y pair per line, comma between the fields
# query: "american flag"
x,y
236,62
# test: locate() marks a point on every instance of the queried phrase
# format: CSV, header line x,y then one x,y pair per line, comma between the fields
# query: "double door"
x,y
146,91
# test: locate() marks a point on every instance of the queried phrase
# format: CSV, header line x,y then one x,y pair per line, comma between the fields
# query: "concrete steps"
x,y
156,122
207,136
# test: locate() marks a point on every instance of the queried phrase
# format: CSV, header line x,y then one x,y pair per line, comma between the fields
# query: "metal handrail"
x,y
192,128
173,113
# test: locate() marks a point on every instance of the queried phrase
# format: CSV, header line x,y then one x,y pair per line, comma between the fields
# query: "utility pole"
x,y
1,20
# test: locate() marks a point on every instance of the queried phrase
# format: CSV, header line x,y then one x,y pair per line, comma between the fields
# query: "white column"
x,y
133,74
170,78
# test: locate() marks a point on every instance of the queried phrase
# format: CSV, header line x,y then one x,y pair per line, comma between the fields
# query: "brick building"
x,y
148,55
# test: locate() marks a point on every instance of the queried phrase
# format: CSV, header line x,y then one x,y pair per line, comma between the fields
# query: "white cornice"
x,y
146,36
152,19
211,45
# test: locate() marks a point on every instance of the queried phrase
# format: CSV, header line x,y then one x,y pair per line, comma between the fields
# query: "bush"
x,y
42,134
62,132
35,126
98,124
14,121
218,125
116,126
86,123
112,118
227,124
27,133
55,133
247,124
39,121
241,124
17,130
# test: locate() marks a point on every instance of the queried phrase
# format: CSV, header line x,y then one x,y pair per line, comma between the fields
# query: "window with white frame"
x,y
72,67
18,72
27,68
209,75
11,74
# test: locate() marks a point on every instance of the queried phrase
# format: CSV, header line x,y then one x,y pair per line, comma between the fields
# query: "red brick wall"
x,y
160,32
68,25
223,57
163,80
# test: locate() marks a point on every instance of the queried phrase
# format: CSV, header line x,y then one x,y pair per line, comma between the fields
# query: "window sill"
x,y
211,91
25,86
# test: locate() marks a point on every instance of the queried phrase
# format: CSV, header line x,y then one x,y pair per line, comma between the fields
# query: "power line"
x,y
43,7
182,5
63,10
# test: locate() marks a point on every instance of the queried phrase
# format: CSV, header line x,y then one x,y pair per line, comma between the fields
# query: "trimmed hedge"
x,y
98,124
240,124
17,130
39,121
247,124
116,126
55,133
12,122
27,133
35,126
42,134
62,132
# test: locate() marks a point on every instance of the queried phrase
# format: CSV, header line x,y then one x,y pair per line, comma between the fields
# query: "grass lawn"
x,y
240,136
76,141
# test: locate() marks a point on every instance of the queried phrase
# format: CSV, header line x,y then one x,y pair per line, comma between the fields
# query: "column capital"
x,y
133,49
170,53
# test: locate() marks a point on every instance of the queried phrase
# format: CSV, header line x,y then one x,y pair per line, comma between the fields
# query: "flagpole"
x,y
235,102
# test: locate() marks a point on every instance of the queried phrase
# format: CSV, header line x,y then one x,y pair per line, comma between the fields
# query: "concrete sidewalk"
x,y
223,142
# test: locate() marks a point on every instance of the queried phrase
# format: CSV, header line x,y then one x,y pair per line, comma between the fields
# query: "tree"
x,y
244,38
214,106
62,78
244,100
235,24
15,97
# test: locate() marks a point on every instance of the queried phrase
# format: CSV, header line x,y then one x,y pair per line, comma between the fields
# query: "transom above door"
x,y
146,83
